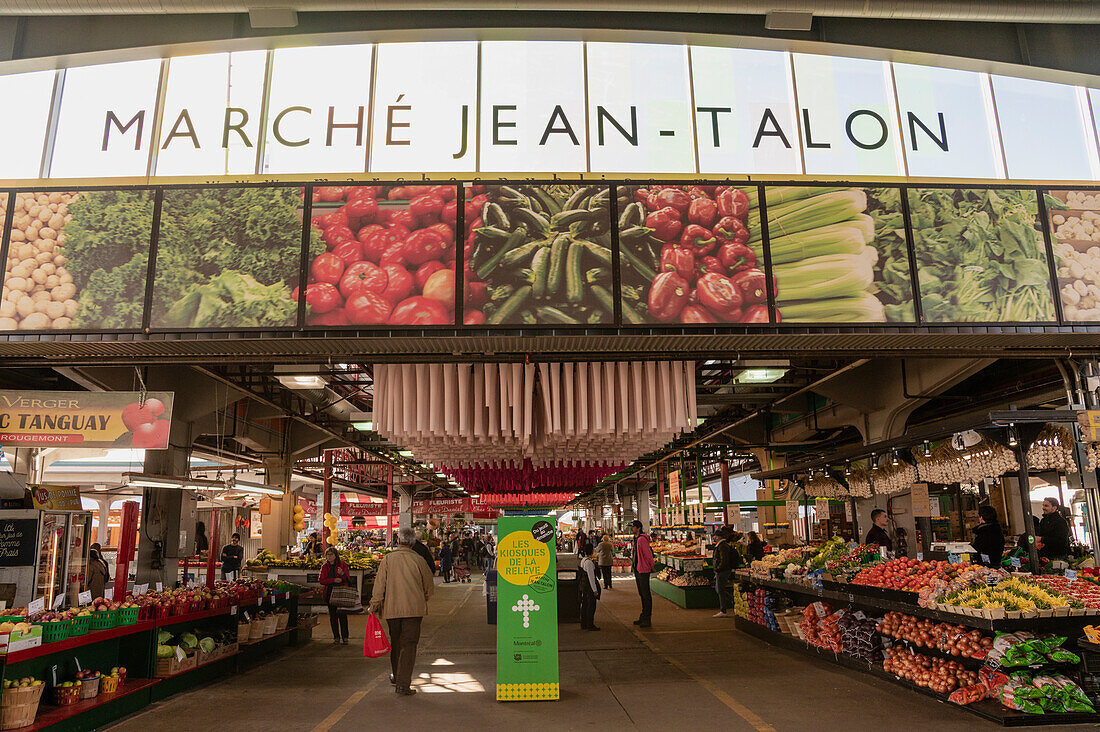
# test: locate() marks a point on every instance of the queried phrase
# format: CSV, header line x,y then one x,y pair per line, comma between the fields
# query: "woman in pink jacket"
x,y
641,561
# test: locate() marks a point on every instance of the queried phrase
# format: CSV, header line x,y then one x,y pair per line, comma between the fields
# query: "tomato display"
x,y
909,575
389,259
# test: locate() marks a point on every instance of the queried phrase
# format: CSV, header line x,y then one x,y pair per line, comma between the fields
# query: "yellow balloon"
x,y
328,516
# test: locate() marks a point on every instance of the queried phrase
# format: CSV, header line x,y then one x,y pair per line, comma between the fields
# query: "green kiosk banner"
x,y
527,610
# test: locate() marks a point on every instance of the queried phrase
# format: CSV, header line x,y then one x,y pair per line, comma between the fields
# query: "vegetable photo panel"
x,y
1075,232
384,256
691,254
228,258
839,254
77,260
980,255
538,255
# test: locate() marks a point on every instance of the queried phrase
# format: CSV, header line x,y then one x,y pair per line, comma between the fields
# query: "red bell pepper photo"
x,y
703,211
736,257
667,296
753,286
717,294
680,260
709,264
696,314
665,223
427,207
733,202
675,198
732,229
755,314
698,239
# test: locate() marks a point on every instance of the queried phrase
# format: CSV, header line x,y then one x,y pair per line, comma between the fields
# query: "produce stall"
x,y
1002,646
306,571
88,666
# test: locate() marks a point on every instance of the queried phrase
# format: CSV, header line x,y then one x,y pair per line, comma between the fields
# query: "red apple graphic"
x,y
137,414
152,434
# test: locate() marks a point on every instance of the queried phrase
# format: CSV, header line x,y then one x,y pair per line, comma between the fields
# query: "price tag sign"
x,y
286,596
985,558
58,601
160,587
858,615
920,556
247,616
76,661
109,594
180,655
1016,562
141,589
36,606
84,598
233,610
1071,574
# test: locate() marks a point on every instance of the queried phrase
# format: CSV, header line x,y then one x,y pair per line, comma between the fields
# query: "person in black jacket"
x,y
1054,531
877,534
756,546
725,559
989,538
420,548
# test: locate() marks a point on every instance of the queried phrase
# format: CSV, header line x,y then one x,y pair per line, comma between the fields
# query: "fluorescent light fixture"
x,y
247,486
759,376
405,453
144,480
441,475
363,426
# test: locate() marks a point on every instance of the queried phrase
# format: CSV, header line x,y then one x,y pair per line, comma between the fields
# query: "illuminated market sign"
x,y
497,107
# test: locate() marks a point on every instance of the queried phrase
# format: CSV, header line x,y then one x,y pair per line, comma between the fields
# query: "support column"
x,y
276,537
642,513
168,515
628,508
724,472
405,505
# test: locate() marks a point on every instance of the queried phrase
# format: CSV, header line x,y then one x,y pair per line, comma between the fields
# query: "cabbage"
x,y
164,651
189,641
207,645
163,637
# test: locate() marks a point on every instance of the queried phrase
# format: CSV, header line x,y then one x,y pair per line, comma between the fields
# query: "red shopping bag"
x,y
375,642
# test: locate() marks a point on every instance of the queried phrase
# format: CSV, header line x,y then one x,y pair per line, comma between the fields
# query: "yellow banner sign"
x,y
1090,424
55,497
85,419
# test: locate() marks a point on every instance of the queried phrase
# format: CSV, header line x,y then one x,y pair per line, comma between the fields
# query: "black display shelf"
x,y
1056,623
990,709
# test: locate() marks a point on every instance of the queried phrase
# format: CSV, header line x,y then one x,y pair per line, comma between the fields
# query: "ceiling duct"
x,y
1010,11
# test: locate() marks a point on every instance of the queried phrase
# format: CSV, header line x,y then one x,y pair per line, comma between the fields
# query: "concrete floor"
x,y
688,669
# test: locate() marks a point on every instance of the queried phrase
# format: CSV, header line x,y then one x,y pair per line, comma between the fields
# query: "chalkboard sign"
x,y
18,542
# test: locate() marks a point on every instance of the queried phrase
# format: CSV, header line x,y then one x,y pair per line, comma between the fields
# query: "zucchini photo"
x,y
538,255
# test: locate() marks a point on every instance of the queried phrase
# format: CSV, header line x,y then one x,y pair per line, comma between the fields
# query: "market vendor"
x,y
877,534
1054,531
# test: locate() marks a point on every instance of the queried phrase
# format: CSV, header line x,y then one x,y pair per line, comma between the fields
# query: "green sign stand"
x,y
527,610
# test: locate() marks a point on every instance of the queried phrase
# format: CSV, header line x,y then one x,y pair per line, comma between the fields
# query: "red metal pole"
x,y
327,505
214,550
127,540
389,506
724,471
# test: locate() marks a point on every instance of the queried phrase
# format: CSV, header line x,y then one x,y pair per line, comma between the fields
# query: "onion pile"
x,y
956,640
938,674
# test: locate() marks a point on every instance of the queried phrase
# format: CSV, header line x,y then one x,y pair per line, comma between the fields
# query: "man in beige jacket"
x,y
401,591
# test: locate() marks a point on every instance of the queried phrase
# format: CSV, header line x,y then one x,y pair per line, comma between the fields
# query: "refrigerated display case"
x,y
48,555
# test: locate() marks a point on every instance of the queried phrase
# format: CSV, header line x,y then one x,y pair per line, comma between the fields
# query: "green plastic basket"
x,y
104,619
81,624
54,632
128,616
